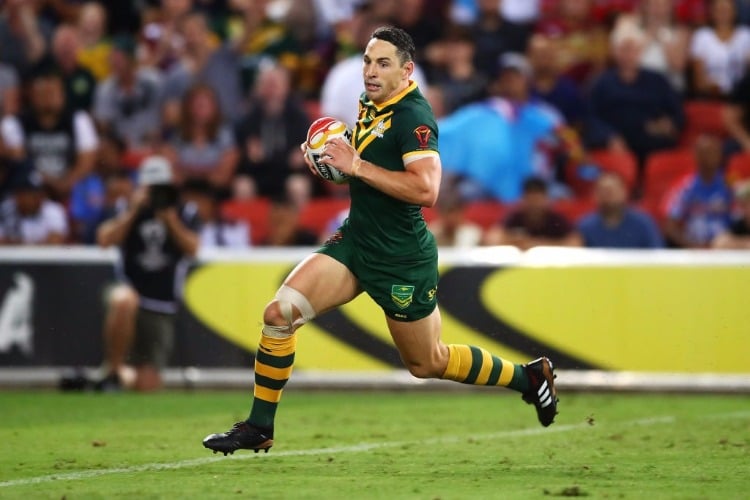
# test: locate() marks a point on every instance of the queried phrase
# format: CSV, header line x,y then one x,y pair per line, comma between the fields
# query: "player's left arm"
x,y
418,183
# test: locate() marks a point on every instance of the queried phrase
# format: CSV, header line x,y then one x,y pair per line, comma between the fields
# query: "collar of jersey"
x,y
393,100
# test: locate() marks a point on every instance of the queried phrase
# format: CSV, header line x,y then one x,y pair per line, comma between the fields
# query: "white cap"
x,y
155,170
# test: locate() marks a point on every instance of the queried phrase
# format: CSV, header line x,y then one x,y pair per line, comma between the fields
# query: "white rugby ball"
x,y
321,131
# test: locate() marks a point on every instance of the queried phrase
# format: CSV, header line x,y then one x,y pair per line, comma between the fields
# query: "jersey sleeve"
x,y
418,135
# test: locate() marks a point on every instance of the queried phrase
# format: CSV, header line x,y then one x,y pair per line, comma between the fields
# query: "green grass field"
x,y
455,445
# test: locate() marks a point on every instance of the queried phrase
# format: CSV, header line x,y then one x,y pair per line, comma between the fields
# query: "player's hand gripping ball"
x,y
321,131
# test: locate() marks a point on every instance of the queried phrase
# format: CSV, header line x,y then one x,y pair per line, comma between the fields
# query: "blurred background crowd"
x,y
600,123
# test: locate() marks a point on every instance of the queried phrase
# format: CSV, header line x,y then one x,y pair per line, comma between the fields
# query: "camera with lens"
x,y
163,196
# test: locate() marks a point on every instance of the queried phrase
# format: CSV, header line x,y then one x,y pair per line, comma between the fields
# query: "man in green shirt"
x,y
384,249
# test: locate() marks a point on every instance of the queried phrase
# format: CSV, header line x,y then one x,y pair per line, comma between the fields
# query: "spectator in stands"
x,y
453,70
203,145
494,36
666,42
719,51
161,32
316,53
265,37
633,108
215,230
95,49
534,223
205,61
127,103
80,83
423,20
737,235
156,238
283,225
270,134
582,41
495,144
699,207
22,43
100,193
450,227
615,224
60,145
343,85
549,85
737,115
28,217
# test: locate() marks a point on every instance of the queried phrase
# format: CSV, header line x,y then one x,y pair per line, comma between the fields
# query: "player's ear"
x,y
408,70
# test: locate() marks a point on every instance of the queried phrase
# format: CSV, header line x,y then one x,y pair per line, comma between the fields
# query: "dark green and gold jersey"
x,y
391,135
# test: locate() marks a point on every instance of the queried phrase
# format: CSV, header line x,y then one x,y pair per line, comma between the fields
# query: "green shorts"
x,y
405,289
154,338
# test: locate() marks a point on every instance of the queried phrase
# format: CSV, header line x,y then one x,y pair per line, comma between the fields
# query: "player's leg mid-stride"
x,y
461,363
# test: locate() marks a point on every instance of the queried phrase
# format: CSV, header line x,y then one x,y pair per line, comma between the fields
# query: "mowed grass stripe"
x,y
355,448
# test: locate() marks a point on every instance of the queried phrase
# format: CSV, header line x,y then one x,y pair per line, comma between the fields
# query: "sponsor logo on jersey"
x,y
402,295
423,134
431,294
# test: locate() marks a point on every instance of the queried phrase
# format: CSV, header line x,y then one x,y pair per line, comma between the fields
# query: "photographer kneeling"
x,y
156,238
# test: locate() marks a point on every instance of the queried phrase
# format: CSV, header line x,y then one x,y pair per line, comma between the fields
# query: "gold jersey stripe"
x,y
418,155
394,99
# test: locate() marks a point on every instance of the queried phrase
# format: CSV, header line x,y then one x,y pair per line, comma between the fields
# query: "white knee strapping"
x,y
288,298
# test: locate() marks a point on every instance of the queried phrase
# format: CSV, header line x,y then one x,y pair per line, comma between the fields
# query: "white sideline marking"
x,y
356,448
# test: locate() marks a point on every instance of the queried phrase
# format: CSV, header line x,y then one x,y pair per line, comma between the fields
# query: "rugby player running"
x,y
385,249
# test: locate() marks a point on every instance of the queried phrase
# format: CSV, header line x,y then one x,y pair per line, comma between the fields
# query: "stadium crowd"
x,y
600,123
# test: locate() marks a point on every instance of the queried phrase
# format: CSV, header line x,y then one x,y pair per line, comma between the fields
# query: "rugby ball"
x,y
321,131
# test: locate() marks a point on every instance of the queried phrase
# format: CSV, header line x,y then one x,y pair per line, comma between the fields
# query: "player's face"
x,y
383,73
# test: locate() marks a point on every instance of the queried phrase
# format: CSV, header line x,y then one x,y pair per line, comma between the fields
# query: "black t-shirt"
x,y
739,227
740,96
151,261
52,151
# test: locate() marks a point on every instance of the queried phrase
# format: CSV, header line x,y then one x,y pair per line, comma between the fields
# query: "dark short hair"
x,y
44,70
400,39
534,185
